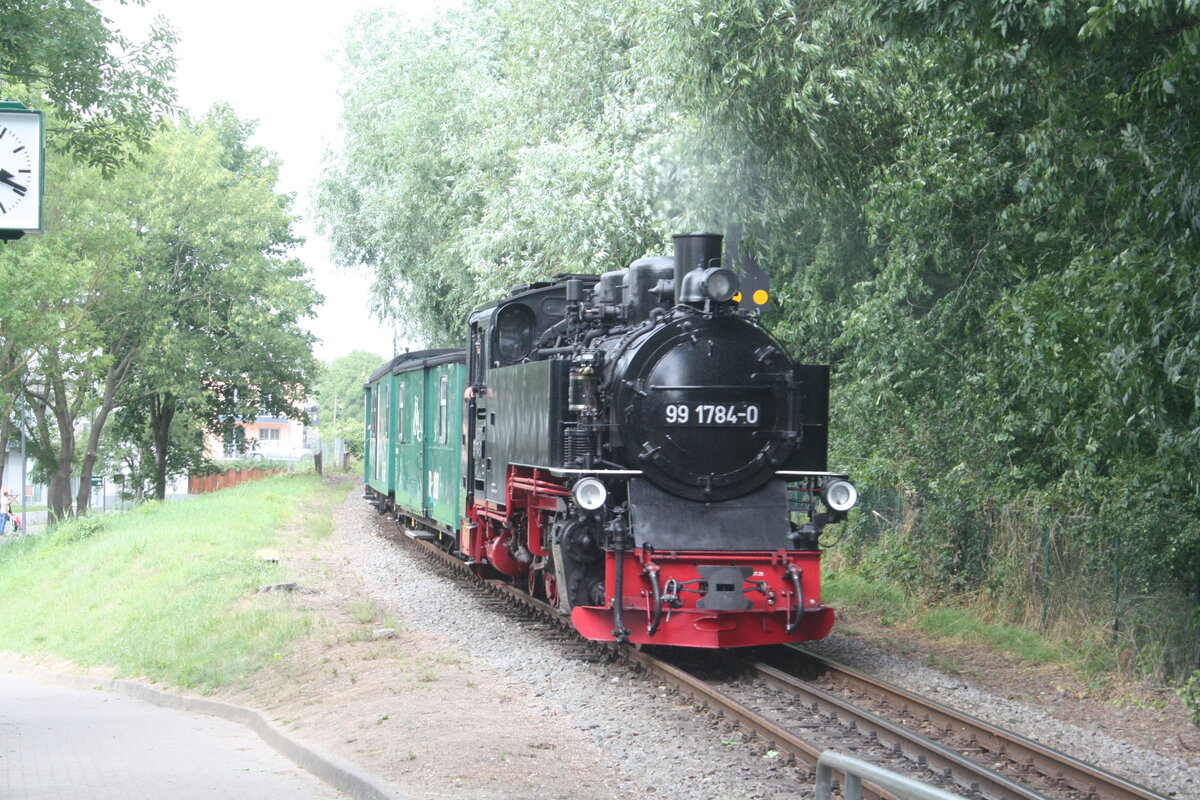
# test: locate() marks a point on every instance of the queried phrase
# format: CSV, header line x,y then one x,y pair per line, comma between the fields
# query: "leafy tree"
x,y
187,300
1055,153
106,92
476,157
339,395
218,239
411,97
77,367
30,316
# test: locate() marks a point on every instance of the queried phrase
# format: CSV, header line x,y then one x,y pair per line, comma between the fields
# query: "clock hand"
x,y
7,177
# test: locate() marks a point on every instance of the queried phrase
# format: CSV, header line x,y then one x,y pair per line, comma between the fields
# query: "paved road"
x,y
58,743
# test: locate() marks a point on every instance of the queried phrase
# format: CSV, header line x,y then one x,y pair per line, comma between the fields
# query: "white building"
x,y
35,494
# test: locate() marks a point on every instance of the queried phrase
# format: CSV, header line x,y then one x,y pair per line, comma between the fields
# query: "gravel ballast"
x,y
655,744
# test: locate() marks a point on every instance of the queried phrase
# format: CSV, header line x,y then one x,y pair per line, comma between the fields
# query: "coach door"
x,y
444,442
408,451
381,443
370,399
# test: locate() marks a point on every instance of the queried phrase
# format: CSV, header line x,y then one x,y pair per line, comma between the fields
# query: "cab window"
x,y
514,334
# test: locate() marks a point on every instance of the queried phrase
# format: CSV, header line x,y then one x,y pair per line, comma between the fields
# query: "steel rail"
x,y
970,776
973,779
1085,778
706,695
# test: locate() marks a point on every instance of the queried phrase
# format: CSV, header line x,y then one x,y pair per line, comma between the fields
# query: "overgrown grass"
x,y
1043,585
891,606
167,591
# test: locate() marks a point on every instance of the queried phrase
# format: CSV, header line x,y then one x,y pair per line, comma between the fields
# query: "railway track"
x,y
775,699
1059,773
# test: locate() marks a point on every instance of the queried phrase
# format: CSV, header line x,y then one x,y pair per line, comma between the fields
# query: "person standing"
x,y
13,517
6,499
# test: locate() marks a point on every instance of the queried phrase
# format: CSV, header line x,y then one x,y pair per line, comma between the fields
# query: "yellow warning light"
x,y
760,297
737,298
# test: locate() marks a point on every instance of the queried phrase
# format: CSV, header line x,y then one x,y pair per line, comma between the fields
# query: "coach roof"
x,y
419,358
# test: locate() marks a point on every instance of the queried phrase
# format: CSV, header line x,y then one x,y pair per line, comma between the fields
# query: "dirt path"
x,y
409,707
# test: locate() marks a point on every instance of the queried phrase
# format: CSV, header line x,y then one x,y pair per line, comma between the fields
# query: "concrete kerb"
x,y
338,773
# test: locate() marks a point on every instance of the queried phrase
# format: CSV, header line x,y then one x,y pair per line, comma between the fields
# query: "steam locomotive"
x,y
634,447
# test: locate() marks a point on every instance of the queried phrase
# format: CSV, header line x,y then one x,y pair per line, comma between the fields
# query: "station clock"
x,y
22,133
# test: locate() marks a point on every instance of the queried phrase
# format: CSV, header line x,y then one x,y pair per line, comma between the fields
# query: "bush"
x,y
1189,693
1071,576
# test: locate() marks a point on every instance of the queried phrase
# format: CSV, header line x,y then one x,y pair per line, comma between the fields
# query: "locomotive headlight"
x,y
589,494
840,495
720,284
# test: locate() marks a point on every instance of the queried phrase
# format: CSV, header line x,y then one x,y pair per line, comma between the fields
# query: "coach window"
x,y
443,409
381,432
400,435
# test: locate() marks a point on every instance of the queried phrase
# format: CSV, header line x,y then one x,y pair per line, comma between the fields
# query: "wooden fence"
x,y
201,484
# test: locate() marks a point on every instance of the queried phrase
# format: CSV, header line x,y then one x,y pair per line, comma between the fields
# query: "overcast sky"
x,y
272,61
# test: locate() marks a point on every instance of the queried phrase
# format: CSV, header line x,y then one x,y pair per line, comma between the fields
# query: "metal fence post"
x,y
856,770
1116,626
1045,572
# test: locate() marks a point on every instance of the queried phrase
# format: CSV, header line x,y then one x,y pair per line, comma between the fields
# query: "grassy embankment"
x,y
1089,651
166,591
1009,582
890,606
169,591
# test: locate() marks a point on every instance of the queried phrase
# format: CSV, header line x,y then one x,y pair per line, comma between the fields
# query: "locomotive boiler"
x,y
642,453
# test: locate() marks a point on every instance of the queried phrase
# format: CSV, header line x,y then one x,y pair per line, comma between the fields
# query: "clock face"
x,y
16,170
20,170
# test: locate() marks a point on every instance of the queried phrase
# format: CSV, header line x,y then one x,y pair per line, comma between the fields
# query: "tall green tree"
x,y
477,156
218,239
103,94
187,299
78,367
1041,212
339,394
106,91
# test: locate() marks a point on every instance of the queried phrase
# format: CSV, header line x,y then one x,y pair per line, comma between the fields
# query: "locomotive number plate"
x,y
729,415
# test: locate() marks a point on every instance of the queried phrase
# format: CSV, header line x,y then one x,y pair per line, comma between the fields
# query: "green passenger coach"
x,y
413,459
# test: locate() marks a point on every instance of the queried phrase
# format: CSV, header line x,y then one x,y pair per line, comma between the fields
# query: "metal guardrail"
x,y
854,771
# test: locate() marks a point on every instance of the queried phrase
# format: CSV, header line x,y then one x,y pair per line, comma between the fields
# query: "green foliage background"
x,y
339,394
984,214
162,294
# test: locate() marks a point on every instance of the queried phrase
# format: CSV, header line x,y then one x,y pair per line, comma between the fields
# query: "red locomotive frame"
x,y
785,595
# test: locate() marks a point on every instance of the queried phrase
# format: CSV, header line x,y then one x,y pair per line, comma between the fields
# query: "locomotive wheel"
x,y
531,582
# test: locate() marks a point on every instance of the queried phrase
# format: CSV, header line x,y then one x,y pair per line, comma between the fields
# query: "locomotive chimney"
x,y
694,250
